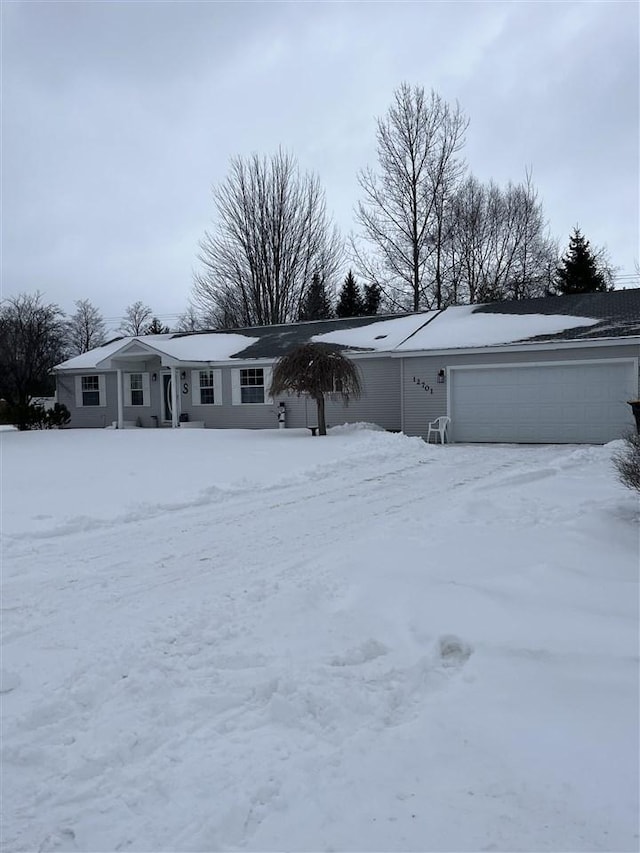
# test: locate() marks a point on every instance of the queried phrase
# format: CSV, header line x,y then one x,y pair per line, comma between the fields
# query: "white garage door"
x,y
574,403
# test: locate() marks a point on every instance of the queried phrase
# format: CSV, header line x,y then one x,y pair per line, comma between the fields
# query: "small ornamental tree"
x,y
316,370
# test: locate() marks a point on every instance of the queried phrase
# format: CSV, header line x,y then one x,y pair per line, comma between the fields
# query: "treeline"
x,y
429,233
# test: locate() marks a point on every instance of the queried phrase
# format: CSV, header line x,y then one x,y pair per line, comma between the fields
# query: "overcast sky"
x,y
119,117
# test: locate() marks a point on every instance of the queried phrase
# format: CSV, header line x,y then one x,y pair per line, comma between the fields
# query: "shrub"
x,y
58,417
34,416
627,462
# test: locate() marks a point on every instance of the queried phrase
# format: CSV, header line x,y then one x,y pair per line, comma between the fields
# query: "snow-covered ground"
x,y
230,640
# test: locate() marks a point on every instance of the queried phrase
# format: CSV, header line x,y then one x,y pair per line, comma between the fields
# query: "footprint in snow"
x,y
453,651
8,681
367,651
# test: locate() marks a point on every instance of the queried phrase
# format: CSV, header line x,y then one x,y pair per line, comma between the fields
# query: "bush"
x,y
34,416
58,417
627,462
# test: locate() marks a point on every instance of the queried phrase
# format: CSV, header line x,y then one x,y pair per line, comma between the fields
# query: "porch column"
x,y
175,377
120,399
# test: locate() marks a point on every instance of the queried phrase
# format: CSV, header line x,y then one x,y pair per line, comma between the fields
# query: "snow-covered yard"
x,y
227,640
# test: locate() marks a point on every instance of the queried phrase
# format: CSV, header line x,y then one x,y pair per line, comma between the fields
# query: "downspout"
x,y
174,398
120,399
402,395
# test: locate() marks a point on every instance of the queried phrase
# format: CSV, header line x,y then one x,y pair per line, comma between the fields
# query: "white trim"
x,y
564,363
136,347
268,375
175,420
538,347
195,387
119,382
146,388
236,395
402,397
217,387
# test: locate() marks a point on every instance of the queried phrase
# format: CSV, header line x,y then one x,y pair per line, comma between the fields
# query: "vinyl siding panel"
x,y
380,403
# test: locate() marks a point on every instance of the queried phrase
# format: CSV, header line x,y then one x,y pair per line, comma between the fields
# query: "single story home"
x,y
548,370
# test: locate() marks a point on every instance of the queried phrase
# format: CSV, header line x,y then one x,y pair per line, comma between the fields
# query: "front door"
x,y
166,397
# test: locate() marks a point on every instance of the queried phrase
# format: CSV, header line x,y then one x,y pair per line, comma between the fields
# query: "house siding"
x,y
98,417
423,404
380,403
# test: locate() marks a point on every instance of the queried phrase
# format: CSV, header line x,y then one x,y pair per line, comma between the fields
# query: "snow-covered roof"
x,y
379,336
218,346
463,326
550,319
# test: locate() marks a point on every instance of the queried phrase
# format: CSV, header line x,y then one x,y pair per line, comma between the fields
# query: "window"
x,y
136,389
252,385
90,390
206,387
137,392
207,395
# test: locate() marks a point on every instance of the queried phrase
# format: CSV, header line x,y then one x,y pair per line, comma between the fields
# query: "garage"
x,y
560,402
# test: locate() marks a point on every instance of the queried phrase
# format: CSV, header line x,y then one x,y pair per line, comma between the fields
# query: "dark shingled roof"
x,y
618,312
275,341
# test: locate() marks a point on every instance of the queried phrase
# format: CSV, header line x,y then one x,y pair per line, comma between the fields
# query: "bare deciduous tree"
x,y
403,212
190,321
272,233
497,245
32,341
137,318
85,328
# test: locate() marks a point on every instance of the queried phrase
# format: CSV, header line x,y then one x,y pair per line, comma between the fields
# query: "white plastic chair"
x,y
439,427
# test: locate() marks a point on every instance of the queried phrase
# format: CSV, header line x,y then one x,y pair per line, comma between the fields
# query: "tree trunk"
x,y
322,426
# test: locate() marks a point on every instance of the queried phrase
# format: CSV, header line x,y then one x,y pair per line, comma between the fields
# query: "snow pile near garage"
x,y
460,327
226,640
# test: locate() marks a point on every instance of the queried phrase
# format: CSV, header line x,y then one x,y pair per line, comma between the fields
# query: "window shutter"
x,y
102,387
217,387
126,379
268,375
236,397
78,391
146,390
195,387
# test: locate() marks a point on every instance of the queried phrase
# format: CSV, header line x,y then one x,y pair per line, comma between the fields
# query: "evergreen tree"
x,y
350,303
156,327
372,297
316,304
579,270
